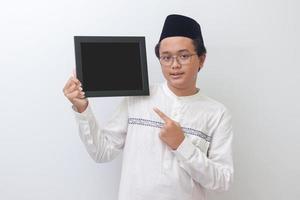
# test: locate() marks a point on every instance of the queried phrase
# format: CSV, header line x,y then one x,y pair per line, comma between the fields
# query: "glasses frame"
x,y
178,60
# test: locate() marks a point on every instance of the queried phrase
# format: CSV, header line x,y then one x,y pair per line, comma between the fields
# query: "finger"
x,y
69,82
75,94
177,123
74,73
82,94
72,95
79,98
163,130
71,88
79,87
162,115
82,97
75,80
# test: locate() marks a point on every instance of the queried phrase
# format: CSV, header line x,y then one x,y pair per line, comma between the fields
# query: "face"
x,y
180,76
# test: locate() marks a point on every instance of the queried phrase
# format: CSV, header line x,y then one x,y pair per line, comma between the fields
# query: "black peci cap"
x,y
179,25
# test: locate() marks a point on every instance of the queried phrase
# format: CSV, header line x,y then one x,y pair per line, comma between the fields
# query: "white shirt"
x,y
151,169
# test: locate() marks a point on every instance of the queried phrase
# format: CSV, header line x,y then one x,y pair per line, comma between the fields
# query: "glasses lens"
x,y
182,59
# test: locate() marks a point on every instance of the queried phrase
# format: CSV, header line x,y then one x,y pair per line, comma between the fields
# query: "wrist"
x,y
178,142
81,108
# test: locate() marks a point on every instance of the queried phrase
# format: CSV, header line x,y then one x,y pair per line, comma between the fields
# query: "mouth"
x,y
176,75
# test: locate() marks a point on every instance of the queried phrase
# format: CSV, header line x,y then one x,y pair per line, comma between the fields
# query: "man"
x,y
176,142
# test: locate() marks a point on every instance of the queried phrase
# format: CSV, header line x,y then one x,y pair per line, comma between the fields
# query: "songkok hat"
x,y
179,25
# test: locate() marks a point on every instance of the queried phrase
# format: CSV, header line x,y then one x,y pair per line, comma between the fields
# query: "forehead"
x,y
176,44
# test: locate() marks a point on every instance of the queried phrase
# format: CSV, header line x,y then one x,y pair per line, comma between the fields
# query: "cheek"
x,y
190,76
192,71
194,68
165,71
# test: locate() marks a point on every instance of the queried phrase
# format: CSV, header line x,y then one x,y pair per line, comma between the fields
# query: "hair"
x,y
198,45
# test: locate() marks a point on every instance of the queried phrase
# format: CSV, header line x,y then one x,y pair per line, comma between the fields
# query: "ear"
x,y
201,61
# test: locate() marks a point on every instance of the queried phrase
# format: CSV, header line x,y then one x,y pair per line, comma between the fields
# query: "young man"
x,y
176,142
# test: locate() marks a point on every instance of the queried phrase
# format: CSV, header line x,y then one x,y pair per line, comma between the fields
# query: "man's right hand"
x,y
73,92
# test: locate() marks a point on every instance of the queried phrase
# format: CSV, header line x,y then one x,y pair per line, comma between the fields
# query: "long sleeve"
x,y
103,143
215,171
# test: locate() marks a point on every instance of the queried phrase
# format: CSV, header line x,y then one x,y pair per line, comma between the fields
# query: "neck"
x,y
183,91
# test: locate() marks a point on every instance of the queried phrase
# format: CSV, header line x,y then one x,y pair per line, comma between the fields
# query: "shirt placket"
x,y
167,156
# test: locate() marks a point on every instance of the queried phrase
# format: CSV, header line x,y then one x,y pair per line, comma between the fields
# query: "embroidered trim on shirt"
x,y
147,122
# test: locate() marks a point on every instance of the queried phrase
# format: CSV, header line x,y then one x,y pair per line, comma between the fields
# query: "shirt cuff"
x,y
87,113
185,150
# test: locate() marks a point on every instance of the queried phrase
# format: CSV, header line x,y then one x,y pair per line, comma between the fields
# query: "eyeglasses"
x,y
182,59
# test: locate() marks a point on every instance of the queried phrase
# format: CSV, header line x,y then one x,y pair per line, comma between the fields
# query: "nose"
x,y
175,63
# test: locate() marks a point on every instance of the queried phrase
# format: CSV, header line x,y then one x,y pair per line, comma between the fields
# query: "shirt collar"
x,y
171,94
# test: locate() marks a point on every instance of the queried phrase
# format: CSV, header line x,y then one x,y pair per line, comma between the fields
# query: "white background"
x,y
252,67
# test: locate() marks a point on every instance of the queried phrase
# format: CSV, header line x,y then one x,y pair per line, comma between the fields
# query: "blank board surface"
x,y
111,65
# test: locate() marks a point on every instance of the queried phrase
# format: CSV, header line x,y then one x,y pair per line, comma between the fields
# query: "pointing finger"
x,y
162,115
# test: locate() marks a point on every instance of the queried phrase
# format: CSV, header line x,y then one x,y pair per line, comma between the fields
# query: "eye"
x,y
184,56
165,58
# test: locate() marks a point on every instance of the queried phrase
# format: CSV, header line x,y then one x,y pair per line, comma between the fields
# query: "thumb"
x,y
74,73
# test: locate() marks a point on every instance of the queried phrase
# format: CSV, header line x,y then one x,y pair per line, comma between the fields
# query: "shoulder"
x,y
212,105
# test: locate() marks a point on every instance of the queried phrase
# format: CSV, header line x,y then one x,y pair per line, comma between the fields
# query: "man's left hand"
x,y
171,132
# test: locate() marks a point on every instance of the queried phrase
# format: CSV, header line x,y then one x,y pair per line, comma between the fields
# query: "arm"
x,y
214,172
103,143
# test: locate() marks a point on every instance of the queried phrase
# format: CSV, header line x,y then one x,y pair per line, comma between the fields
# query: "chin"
x,y
176,83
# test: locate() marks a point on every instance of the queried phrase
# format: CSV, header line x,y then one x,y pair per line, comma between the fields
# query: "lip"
x,y
176,75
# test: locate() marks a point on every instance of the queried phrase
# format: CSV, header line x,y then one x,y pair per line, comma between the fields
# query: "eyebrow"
x,y
181,50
